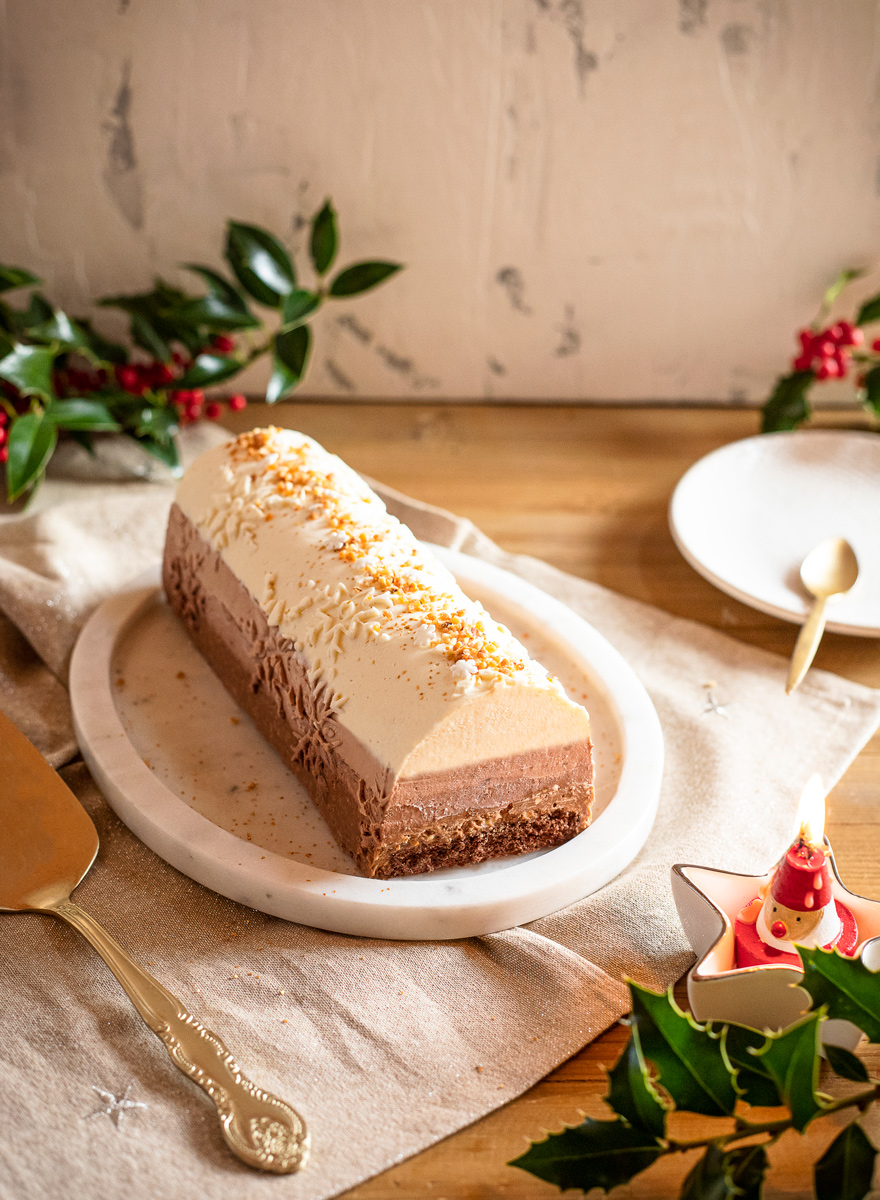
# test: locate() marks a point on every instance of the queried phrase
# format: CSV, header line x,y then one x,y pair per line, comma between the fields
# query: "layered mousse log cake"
x,y
424,732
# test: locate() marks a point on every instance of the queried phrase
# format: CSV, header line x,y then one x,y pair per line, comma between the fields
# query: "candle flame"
x,y
811,812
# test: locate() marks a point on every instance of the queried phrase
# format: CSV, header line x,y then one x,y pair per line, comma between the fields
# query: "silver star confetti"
x,y
718,710
114,1106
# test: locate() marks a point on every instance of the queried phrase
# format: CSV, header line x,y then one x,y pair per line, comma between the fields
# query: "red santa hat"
x,y
802,881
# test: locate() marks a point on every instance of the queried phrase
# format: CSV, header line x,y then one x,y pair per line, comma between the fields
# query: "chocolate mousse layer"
x,y
390,825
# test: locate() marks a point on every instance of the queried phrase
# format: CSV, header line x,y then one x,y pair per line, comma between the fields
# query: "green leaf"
x,y
630,1093
361,277
83,439
166,452
223,308
60,328
688,1058
844,1063
158,424
844,985
846,276
212,313
872,391
846,1169
298,305
16,277
289,364
208,369
792,1059
754,1082
787,406
260,263
324,240
870,311
32,441
722,1175
38,310
89,415
30,369
600,1154
147,336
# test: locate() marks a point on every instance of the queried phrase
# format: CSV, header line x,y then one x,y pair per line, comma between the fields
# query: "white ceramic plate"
x,y
190,775
747,515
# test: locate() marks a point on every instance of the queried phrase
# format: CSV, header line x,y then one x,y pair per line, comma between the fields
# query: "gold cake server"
x,y
47,844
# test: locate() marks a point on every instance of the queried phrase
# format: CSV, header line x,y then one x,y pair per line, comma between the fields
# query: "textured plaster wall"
x,y
602,199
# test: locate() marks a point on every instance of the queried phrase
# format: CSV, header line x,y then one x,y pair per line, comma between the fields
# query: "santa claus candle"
x,y
796,906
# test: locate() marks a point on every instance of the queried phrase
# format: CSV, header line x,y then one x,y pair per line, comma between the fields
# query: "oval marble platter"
x,y
189,774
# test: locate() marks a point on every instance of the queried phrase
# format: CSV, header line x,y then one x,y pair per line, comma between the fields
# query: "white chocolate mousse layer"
x,y
417,672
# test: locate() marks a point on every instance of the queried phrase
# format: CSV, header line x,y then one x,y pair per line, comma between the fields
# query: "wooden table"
x,y
587,489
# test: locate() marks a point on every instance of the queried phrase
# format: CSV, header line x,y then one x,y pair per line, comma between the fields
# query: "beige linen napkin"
x,y
385,1047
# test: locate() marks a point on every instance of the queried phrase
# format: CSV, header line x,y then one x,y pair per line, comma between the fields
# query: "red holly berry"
x,y
807,337
4,453
129,379
162,374
803,362
3,434
238,402
223,343
212,411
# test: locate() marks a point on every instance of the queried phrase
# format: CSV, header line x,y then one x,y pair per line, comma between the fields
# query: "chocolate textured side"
x,y
389,826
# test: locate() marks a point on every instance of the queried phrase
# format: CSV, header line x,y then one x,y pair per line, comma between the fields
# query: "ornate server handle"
x,y
261,1129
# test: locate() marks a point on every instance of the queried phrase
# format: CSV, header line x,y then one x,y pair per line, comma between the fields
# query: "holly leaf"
x,y
845,1064
158,424
291,355
722,1175
846,987
29,368
753,1081
207,369
872,391
297,305
845,277
32,441
787,406
165,451
870,311
688,1058
630,1093
846,1169
324,240
89,415
260,263
361,277
60,328
147,336
38,310
224,306
16,277
600,1154
792,1059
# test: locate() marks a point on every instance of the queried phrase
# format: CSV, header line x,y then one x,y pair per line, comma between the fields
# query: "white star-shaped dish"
x,y
765,997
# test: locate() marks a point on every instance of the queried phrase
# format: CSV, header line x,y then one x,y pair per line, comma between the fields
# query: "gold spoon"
x,y
829,570
47,844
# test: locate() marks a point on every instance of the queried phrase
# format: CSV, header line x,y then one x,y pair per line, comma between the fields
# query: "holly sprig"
x,y
828,351
674,1063
60,375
